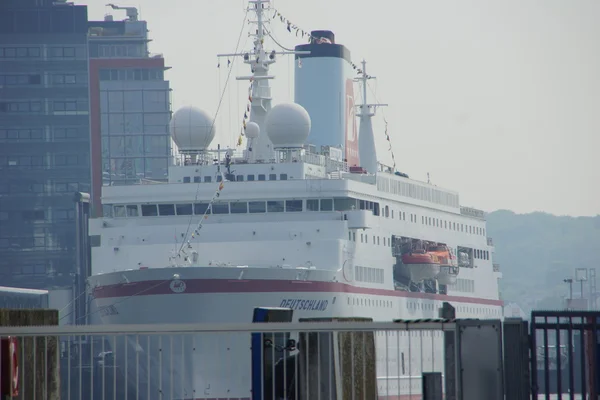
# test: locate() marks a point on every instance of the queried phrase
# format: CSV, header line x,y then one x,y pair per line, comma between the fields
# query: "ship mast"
x,y
259,59
366,140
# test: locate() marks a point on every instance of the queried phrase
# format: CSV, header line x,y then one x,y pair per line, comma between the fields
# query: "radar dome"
x,y
192,129
252,130
288,125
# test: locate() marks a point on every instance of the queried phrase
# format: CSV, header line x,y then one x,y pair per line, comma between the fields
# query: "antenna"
x,y
260,59
365,108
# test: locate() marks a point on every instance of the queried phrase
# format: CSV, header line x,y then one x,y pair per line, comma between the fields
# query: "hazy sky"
x,y
497,100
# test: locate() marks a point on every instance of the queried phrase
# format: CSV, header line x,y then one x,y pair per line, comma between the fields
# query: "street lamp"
x,y
570,282
581,275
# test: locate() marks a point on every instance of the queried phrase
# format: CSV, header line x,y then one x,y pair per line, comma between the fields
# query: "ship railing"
x,y
368,359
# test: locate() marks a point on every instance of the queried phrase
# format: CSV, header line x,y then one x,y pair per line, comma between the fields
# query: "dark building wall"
x,y
44,139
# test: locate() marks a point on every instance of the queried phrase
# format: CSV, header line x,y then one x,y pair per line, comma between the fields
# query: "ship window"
x,y
207,179
376,209
106,210
326,204
219,178
166,209
239,178
186,179
349,235
387,212
275,206
197,179
293,205
257,207
393,214
184,209
354,236
119,211
283,177
312,205
132,210
149,210
344,204
261,177
250,177
201,209
240,207
404,216
220,208
362,205
272,177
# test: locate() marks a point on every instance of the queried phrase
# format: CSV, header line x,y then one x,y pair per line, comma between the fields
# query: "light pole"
x,y
570,282
581,275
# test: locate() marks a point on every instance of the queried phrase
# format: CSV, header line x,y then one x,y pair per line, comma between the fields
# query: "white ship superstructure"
x,y
285,223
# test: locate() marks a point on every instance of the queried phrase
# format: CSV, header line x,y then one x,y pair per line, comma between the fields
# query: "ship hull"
x,y
203,366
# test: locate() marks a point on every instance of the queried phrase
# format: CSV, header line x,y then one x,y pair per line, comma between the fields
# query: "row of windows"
x,y
135,123
132,74
237,178
37,134
38,79
481,254
135,145
39,215
37,106
368,274
234,207
121,50
134,101
36,52
39,188
58,160
417,191
455,226
20,52
20,79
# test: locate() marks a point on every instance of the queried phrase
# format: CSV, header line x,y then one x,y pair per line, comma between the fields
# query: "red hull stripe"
x,y
196,286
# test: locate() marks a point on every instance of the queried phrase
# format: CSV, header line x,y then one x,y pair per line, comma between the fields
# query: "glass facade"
x,y
44,140
135,106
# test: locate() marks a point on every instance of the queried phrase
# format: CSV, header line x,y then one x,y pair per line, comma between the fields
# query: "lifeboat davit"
x,y
448,264
421,265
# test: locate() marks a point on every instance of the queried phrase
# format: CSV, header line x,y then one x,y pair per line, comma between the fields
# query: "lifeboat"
x,y
421,265
448,264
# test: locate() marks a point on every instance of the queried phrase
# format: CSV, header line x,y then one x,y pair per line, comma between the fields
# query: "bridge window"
x,y
344,203
197,179
250,178
312,205
261,177
240,207
283,177
184,209
220,208
201,209
207,179
166,209
293,205
256,207
275,206
119,211
239,178
132,210
149,210
186,179
326,205
272,177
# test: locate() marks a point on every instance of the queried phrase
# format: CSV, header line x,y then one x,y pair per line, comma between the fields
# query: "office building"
x,y
130,105
44,138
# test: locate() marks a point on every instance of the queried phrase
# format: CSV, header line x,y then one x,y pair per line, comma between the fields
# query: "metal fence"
x,y
564,354
350,360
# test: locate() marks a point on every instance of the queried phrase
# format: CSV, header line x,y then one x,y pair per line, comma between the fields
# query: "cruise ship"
x,y
303,217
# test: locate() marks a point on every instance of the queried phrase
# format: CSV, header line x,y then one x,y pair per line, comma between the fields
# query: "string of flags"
x,y
221,186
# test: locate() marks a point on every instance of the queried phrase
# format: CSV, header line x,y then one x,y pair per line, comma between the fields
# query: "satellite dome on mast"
x,y
192,130
288,126
252,130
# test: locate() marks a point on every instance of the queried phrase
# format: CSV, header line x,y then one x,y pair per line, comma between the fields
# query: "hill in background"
x,y
537,251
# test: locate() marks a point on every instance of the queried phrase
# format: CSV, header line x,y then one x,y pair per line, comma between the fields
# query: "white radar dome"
x,y
252,130
192,129
288,125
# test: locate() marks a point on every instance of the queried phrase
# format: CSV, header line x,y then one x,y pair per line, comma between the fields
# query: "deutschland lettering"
x,y
308,305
